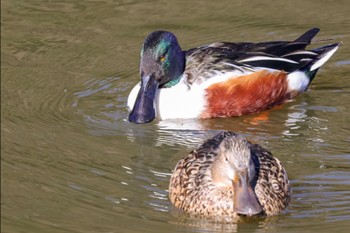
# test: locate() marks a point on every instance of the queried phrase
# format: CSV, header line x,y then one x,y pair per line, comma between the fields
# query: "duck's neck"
x,y
172,82
177,67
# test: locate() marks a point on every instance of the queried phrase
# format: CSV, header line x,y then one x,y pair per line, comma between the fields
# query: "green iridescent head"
x,y
162,64
161,55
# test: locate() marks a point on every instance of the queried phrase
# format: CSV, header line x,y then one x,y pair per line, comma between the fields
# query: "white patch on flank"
x,y
298,81
323,60
222,77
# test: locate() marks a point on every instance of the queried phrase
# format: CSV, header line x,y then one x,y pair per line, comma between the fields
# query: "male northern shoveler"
x,y
221,79
228,176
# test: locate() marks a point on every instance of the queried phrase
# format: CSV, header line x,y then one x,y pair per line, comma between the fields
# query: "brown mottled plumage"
x,y
201,182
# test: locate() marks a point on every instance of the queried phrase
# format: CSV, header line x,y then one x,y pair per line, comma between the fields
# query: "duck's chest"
x,y
180,101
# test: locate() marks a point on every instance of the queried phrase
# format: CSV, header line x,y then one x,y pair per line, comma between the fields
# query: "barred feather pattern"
x,y
272,186
191,188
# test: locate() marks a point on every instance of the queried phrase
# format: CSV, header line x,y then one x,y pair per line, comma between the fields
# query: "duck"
x,y
222,79
229,177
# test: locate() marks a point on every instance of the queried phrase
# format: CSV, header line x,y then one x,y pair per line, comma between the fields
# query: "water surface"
x,y
70,162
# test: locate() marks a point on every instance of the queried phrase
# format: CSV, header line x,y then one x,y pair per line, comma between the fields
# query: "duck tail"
x,y
307,36
324,53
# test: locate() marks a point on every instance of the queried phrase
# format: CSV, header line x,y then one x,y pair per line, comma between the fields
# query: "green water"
x,y
70,162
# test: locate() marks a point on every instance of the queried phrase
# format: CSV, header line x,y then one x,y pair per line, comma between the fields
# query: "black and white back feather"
x,y
288,56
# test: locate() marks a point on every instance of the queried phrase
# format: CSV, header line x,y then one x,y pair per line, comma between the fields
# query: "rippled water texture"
x,y
70,162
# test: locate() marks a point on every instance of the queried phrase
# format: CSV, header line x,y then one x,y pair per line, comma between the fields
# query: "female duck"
x,y
226,176
221,79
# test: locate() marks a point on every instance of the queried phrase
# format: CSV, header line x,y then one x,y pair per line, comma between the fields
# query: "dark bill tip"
x,y
143,110
139,117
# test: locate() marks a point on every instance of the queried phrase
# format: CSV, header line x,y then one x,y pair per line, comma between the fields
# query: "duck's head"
x,y
162,64
235,168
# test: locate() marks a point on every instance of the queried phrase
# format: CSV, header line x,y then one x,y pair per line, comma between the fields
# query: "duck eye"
x,y
162,58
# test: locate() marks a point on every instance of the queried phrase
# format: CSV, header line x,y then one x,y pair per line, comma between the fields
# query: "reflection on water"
x,y
71,162
314,191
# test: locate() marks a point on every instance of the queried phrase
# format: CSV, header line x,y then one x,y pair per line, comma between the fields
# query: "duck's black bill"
x,y
143,110
245,200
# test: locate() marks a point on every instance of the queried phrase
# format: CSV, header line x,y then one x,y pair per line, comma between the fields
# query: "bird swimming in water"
x,y
228,176
221,79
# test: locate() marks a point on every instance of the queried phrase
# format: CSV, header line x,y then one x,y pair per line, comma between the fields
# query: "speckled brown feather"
x,y
272,186
191,188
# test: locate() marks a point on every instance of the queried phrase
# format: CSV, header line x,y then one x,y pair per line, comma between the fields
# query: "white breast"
x,y
132,96
180,101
